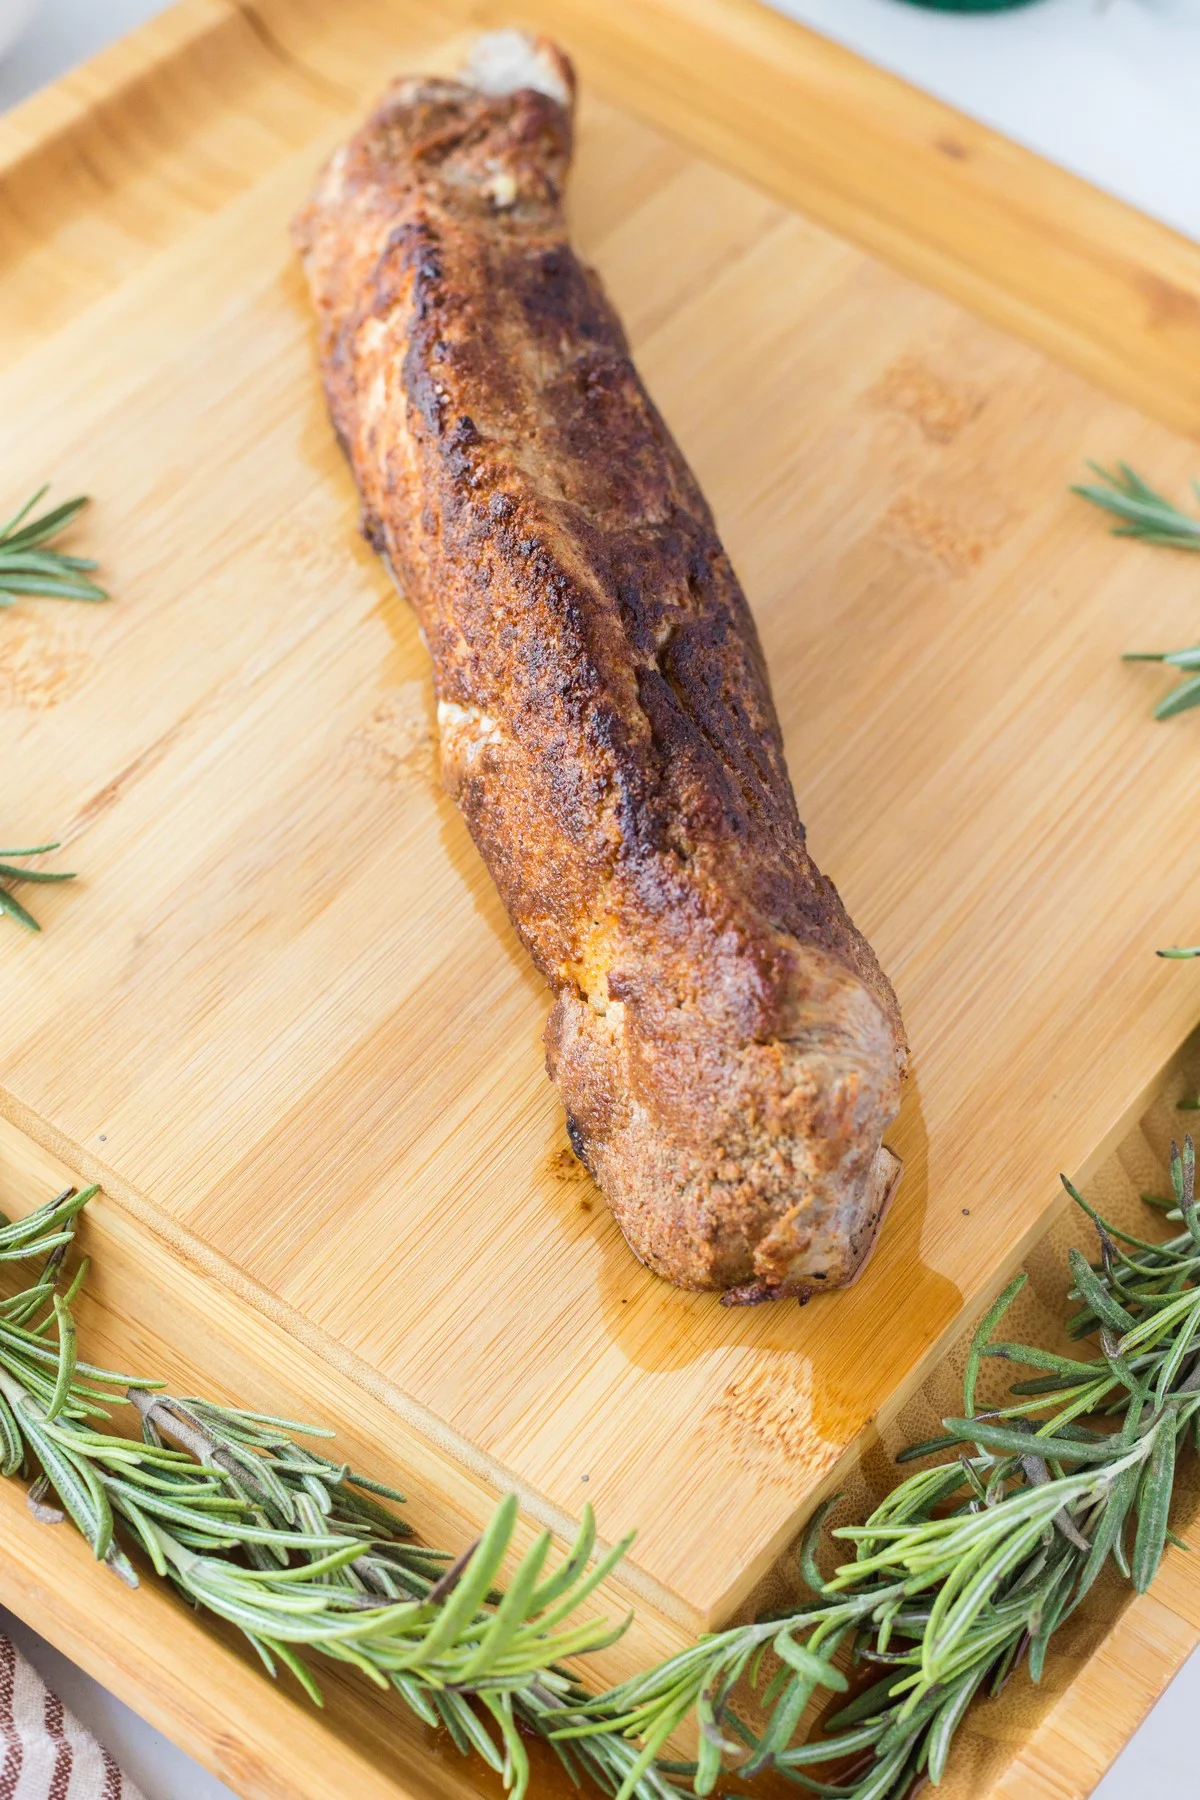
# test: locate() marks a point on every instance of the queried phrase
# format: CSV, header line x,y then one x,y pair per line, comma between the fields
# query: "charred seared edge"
x,y
727,1047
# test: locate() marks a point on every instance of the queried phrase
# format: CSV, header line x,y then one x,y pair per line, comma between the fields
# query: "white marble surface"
x,y
1109,88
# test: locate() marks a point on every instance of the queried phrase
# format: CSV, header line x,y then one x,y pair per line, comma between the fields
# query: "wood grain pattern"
x,y
147,1308
303,1038
1019,241
1114,1657
282,1016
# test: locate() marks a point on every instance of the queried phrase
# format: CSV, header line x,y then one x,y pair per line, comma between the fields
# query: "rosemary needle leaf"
x,y
66,1358
1092,1289
12,1450
1180,699
39,529
808,1545
929,1447
12,906
983,1332
10,872
1154,1502
9,528
62,586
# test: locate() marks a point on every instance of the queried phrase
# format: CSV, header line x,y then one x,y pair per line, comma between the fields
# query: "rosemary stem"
x,y
964,1570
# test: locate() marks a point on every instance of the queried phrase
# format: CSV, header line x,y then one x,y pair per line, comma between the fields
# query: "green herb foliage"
x,y
1148,516
297,1551
963,1573
28,566
969,1566
9,904
1141,511
1145,514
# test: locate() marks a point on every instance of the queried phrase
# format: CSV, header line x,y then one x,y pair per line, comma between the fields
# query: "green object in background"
x,y
970,5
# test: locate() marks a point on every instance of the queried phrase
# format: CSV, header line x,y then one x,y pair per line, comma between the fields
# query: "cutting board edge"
x,y
771,1553
34,123
1145,380
420,1430
254,1743
1123,308
1027,245
424,1431
778,49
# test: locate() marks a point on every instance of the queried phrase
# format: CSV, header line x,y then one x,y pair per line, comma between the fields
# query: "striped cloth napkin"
x,y
45,1753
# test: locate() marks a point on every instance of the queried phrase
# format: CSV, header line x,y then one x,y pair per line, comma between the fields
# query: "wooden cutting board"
x,y
281,1016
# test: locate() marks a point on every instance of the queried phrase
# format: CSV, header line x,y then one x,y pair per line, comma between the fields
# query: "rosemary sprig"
x,y
946,1605
1143,513
968,1567
1149,516
461,1654
964,1572
9,872
296,1550
27,566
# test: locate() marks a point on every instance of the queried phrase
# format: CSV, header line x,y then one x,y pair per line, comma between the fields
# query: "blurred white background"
x,y
1108,88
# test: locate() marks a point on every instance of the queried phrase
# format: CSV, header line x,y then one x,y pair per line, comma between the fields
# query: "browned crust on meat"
x,y
727,1047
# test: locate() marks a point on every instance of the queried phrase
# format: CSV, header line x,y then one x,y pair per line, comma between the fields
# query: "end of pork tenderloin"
x,y
751,1165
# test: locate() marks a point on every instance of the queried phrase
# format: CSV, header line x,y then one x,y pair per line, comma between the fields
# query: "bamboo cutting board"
x,y
282,1018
